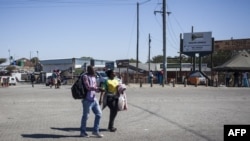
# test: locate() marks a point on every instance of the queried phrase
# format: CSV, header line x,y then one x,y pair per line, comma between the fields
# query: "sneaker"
x,y
112,129
97,134
84,135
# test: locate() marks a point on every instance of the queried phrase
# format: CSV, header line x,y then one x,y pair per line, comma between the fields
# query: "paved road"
x,y
155,114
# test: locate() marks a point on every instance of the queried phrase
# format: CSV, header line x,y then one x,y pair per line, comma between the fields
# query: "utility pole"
x,y
149,42
164,40
137,44
181,44
165,78
194,57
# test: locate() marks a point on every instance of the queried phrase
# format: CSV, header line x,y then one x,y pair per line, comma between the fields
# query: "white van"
x,y
12,80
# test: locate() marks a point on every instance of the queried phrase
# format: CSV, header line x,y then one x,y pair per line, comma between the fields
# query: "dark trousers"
x,y
32,83
227,81
112,102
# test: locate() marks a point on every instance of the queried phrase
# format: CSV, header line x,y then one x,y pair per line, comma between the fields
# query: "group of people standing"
x,y
158,75
4,81
56,79
110,88
240,79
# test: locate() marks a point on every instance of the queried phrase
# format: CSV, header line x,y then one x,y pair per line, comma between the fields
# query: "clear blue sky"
x,y
106,29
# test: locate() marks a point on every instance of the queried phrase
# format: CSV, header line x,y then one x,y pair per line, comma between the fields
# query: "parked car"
x,y
196,76
101,76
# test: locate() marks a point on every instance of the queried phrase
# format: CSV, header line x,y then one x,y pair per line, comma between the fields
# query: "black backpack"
x,y
78,89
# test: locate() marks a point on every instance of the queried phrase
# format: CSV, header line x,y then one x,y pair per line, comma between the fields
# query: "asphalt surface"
x,y
154,113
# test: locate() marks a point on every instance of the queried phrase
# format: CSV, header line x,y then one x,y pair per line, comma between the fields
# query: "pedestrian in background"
x,y
54,77
32,79
228,76
161,76
236,79
245,79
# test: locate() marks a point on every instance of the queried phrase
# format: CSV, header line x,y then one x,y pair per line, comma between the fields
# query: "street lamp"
x,y
37,53
9,55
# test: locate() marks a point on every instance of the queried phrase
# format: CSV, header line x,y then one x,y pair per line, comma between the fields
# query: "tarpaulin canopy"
x,y
240,62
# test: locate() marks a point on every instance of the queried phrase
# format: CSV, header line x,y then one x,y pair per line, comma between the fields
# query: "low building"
x,y
71,64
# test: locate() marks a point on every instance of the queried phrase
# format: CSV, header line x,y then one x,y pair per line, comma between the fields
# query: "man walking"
x,y
91,103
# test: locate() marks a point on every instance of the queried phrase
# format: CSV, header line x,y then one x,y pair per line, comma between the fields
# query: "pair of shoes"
x,y
97,134
112,129
84,135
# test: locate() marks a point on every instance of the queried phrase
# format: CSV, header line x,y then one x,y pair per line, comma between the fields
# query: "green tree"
x,y
133,60
219,58
185,59
157,59
2,60
34,60
84,57
175,59
10,68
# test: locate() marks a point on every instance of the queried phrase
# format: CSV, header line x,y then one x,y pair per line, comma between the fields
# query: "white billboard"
x,y
197,42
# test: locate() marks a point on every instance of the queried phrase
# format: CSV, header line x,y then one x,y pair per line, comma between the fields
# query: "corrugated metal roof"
x,y
240,62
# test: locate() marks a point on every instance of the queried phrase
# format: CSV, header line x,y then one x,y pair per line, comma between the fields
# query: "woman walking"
x,y
111,88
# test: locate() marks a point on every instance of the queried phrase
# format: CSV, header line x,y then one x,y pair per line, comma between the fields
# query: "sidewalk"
x,y
134,85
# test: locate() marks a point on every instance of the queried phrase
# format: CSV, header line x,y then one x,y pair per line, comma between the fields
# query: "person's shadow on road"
x,y
40,136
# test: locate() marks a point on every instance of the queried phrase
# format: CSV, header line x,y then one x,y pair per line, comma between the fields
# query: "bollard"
x,y
216,83
206,82
151,82
174,83
196,82
185,82
140,82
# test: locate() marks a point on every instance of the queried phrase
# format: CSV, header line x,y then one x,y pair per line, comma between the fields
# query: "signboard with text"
x,y
197,42
122,63
110,65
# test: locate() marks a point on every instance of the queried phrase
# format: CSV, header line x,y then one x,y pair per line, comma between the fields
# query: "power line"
x,y
178,23
171,31
131,34
65,3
